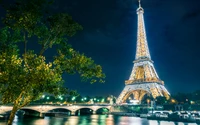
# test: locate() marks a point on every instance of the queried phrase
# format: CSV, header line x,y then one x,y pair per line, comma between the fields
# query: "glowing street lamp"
x,y
173,101
192,102
73,98
148,101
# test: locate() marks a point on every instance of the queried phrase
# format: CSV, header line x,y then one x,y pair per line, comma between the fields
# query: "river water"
x,y
91,120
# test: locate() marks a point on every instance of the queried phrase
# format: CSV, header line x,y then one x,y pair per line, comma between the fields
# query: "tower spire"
x,y
142,46
139,1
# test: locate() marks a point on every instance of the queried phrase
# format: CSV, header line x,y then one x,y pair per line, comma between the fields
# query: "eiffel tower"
x,y
143,79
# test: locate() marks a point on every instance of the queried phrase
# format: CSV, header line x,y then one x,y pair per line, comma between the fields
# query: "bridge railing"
x,y
61,104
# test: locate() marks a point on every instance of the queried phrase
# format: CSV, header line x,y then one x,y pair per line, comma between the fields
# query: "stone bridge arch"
x,y
55,109
94,108
30,112
43,109
101,110
104,107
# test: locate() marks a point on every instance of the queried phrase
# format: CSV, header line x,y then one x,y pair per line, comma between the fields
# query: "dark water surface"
x,y
92,120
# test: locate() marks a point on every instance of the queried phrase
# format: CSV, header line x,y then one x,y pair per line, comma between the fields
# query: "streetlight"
x,y
73,98
48,99
192,102
173,101
94,100
41,100
148,101
60,97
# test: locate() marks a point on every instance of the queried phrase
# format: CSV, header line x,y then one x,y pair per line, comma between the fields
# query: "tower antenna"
x,y
139,3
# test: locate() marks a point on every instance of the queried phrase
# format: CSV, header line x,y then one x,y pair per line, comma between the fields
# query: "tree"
x,y
160,100
26,73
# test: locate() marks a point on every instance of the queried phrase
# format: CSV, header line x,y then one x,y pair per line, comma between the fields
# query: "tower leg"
x,y
136,95
142,93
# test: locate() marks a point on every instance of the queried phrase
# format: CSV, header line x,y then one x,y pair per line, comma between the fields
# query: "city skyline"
x,y
109,37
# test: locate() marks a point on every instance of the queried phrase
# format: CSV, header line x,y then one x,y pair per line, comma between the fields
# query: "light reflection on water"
x,y
92,120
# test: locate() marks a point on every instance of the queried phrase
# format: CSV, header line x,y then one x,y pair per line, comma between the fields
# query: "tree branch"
x,y
25,44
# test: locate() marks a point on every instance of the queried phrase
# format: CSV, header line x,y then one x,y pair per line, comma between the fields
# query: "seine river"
x,y
92,120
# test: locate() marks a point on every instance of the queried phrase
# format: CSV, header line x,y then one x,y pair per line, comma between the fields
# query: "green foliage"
x,y
25,14
27,81
75,62
160,100
25,74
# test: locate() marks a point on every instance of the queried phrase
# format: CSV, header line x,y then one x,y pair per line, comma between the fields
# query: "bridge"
x,y
43,109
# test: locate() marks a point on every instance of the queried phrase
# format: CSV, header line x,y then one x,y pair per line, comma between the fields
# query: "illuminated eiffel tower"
x,y
143,79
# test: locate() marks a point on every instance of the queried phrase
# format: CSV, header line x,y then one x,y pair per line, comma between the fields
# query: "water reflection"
x,y
136,120
92,120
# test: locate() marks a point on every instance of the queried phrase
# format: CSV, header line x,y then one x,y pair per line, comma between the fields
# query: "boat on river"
x,y
178,116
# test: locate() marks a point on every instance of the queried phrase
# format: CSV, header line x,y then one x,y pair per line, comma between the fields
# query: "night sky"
x,y
109,37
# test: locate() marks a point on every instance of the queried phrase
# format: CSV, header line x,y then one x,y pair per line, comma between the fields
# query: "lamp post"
x,y
73,99
48,99
94,100
173,101
148,101
42,99
60,97
103,100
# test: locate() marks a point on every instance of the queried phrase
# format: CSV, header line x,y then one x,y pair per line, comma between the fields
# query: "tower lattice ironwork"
x,y
144,78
